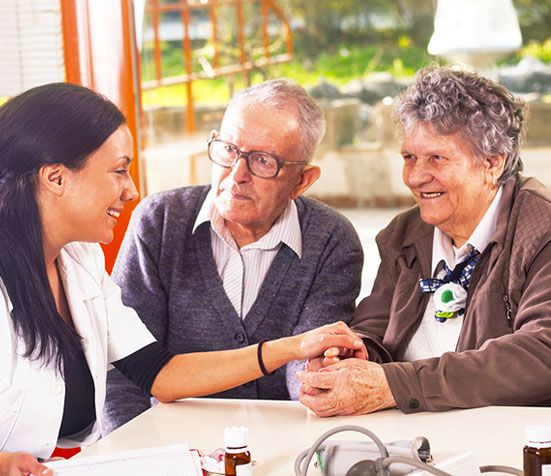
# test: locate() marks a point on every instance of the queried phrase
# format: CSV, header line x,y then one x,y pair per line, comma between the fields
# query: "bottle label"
x,y
546,470
247,470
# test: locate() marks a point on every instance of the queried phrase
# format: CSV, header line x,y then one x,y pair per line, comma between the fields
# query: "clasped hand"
x,y
336,338
344,382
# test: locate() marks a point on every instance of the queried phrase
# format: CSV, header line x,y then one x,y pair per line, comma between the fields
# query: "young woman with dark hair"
x,y
65,153
49,127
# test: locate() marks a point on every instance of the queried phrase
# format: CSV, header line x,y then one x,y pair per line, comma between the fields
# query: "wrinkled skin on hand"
x,y
333,355
22,464
348,387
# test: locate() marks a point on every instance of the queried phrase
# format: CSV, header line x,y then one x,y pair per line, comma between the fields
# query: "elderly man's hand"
x,y
349,387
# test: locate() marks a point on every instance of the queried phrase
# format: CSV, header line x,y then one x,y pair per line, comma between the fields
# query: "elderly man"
x,y
460,313
246,259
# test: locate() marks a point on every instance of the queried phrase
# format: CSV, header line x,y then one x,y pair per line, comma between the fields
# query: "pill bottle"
x,y
237,459
537,450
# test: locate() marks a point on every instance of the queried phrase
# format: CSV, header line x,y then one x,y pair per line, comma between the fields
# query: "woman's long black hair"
x,y
57,123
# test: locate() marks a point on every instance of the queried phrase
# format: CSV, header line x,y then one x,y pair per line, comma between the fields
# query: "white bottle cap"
x,y
236,437
537,436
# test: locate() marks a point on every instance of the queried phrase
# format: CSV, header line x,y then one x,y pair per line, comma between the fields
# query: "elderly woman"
x,y
460,313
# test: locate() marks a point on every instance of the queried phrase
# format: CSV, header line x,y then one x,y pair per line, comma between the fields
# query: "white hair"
x,y
286,95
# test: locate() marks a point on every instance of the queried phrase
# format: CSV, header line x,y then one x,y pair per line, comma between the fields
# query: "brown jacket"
x,y
503,355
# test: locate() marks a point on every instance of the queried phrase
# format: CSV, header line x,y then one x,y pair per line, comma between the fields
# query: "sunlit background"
x,y
354,56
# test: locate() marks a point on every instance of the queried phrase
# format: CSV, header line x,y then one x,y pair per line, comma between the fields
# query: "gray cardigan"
x,y
168,274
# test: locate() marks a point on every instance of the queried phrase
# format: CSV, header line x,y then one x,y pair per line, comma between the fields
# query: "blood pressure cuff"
x,y
335,458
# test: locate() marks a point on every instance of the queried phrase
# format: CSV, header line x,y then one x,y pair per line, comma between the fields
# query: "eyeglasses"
x,y
260,164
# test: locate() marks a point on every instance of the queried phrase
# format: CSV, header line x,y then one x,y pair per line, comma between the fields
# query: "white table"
x,y
279,430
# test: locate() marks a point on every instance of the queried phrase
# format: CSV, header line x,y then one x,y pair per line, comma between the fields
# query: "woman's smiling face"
x,y
452,186
97,193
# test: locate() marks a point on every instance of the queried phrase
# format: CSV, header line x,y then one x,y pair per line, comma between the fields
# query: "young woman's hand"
x,y
336,336
22,464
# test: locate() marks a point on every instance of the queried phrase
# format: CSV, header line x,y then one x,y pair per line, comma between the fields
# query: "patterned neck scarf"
x,y
451,291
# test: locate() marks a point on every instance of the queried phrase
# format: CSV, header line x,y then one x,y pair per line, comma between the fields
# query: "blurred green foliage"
x,y
541,51
339,40
323,25
353,61
349,63
535,20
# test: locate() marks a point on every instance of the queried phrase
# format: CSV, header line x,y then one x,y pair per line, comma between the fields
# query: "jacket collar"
x,y
417,244
420,231
510,188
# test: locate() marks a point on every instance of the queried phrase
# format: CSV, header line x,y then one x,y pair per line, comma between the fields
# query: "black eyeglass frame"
x,y
241,153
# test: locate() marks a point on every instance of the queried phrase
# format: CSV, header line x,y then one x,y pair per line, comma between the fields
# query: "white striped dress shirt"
x,y
243,270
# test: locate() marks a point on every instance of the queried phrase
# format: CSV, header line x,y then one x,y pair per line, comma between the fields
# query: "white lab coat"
x,y
32,394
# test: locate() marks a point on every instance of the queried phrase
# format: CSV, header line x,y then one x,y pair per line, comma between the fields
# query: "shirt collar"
x,y
286,228
204,214
442,245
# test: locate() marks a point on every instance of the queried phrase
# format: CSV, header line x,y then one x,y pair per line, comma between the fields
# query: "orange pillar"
x,y
101,53
186,45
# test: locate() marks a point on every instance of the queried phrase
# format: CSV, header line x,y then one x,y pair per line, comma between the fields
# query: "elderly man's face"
x,y
250,205
453,188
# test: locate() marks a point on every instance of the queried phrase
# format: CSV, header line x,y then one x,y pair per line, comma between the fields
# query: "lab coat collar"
x,y
70,264
81,283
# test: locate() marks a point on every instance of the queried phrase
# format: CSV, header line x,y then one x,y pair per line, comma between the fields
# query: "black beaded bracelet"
x,y
260,361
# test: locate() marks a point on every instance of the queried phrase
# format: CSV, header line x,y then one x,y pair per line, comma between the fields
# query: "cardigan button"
x,y
239,337
414,403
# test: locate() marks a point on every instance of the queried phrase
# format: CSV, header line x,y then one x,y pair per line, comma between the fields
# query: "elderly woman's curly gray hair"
x,y
488,117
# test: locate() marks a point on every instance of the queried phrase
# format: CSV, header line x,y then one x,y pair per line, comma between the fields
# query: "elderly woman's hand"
x,y
349,387
21,464
338,335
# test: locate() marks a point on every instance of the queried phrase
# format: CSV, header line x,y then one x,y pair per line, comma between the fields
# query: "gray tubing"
x,y
303,459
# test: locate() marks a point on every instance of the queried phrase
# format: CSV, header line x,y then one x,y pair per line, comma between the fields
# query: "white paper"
x,y
173,460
